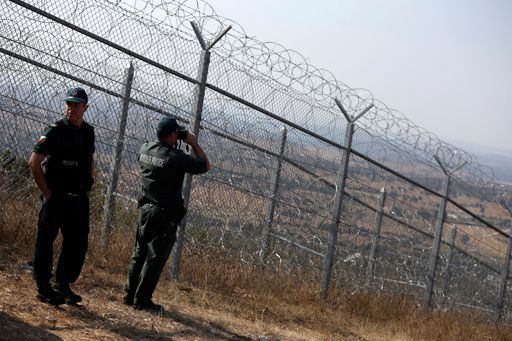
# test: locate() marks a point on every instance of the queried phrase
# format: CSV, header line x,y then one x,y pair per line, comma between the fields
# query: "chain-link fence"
x,y
309,174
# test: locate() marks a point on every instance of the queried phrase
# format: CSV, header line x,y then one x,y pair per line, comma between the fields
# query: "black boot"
x,y
46,294
149,306
128,300
64,290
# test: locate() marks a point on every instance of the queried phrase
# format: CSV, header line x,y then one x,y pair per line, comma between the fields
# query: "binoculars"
x,y
182,134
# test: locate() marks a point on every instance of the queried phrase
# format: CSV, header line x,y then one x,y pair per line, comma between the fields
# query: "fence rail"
x,y
299,158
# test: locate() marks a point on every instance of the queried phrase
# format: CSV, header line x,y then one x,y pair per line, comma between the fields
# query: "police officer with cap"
x,y
61,164
162,168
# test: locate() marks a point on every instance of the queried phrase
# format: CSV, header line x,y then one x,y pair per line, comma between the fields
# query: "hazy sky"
x,y
445,64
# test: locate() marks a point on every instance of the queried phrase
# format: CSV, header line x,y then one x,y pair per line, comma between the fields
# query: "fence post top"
x,y
207,46
351,119
199,36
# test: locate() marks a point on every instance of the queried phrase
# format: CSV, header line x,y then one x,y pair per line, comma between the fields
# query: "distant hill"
x,y
498,159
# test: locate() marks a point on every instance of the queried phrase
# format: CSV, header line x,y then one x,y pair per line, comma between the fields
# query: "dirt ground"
x,y
231,307
103,316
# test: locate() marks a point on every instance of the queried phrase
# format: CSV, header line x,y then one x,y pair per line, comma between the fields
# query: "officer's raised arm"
x,y
198,151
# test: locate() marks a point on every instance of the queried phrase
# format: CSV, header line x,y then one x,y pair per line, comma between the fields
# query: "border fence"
x,y
309,175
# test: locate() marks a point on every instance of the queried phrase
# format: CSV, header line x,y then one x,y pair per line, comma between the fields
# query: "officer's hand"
x,y
191,138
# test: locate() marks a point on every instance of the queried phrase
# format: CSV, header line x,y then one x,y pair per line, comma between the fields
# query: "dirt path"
x,y
102,316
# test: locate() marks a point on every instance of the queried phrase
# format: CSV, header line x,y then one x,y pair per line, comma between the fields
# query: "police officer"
x,y
161,209
61,164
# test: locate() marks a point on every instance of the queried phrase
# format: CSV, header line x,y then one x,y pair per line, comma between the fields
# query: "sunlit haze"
x,y
446,65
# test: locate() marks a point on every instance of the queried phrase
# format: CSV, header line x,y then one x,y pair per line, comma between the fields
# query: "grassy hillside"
x,y
217,298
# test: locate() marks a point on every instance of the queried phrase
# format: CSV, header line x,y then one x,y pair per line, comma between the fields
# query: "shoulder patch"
x,y
41,139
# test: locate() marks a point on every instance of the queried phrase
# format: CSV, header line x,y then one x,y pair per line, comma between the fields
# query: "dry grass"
x,y
217,298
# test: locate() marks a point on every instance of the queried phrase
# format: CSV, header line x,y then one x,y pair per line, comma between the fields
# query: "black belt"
x,y
178,211
143,201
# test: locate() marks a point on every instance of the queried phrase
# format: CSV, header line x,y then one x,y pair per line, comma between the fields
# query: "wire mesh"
x,y
253,91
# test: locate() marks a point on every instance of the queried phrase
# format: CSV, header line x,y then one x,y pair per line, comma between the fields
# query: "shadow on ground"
x,y
194,327
13,329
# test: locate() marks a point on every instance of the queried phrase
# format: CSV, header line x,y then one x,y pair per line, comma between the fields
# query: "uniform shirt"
x,y
163,168
68,150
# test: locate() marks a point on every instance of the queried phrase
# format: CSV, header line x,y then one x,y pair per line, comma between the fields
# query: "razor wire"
x,y
253,90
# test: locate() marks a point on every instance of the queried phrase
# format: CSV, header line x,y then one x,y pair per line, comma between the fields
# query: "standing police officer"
x,y
61,164
161,209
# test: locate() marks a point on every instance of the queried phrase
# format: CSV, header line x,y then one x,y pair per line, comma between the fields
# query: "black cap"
x,y
168,125
76,95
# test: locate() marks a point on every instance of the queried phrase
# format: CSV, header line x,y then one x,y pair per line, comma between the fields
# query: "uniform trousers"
x,y
154,240
69,214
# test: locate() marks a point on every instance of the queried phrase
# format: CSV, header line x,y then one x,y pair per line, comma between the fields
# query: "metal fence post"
x,y
338,198
273,199
108,207
504,277
197,110
441,214
377,223
447,277
434,254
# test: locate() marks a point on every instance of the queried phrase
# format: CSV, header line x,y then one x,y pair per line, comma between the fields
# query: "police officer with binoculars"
x,y
161,207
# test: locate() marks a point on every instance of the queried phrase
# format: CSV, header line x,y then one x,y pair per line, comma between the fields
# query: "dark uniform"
x,y
163,168
67,167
